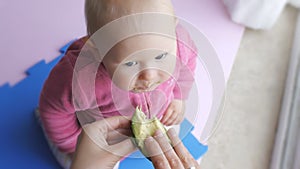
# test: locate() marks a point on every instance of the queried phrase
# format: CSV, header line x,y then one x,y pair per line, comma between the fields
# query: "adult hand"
x,y
164,156
103,143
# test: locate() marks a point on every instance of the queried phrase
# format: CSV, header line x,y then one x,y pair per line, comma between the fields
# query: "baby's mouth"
x,y
147,88
141,89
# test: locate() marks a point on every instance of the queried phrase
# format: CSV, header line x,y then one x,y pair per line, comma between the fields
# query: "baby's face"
x,y
141,63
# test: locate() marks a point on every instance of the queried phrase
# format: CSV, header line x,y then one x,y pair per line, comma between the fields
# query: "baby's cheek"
x,y
123,80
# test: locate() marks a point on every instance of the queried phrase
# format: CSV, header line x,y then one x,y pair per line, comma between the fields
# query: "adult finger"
x,y
170,154
98,131
113,123
156,155
118,135
186,158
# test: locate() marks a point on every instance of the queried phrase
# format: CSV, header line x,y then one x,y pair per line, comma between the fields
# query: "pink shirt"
x,y
73,96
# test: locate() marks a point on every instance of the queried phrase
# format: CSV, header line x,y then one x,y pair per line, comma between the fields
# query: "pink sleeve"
x,y
56,108
187,54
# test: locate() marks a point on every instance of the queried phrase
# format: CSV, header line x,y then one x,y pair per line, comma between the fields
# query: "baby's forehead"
x,y
146,45
111,35
147,42
140,5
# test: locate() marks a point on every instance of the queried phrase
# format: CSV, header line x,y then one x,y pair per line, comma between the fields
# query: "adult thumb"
x,y
123,148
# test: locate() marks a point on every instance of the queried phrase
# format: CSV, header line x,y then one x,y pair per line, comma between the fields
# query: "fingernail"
x,y
158,133
149,140
172,132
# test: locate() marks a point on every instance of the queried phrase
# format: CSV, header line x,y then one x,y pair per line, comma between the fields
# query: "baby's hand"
x,y
174,113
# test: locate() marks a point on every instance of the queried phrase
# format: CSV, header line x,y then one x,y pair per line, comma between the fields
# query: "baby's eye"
x,y
130,63
161,56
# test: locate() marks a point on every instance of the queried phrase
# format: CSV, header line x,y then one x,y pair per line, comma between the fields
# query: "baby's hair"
x,y
100,12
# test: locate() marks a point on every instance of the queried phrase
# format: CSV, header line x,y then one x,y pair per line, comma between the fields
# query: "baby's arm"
x,y
187,65
56,108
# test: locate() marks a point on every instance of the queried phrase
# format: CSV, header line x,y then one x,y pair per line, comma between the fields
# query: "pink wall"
x,y
33,30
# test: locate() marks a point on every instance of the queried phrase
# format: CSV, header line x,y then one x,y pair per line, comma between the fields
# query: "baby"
x,y
95,80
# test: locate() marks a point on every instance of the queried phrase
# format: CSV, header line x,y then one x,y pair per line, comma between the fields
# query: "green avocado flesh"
x,y
142,127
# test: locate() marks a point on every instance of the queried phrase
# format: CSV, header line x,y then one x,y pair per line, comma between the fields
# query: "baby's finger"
x,y
166,116
171,119
179,119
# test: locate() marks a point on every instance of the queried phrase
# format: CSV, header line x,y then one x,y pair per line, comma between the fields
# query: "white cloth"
x,y
295,3
257,14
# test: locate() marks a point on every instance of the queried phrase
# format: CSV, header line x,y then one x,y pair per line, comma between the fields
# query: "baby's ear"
x,y
90,43
176,21
92,47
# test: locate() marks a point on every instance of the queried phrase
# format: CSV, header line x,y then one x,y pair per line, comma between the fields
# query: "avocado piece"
x,y
142,127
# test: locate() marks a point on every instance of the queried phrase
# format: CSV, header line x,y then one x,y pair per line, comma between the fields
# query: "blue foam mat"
x,y
22,142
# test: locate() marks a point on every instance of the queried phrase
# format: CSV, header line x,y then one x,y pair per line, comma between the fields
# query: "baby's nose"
x,y
148,74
